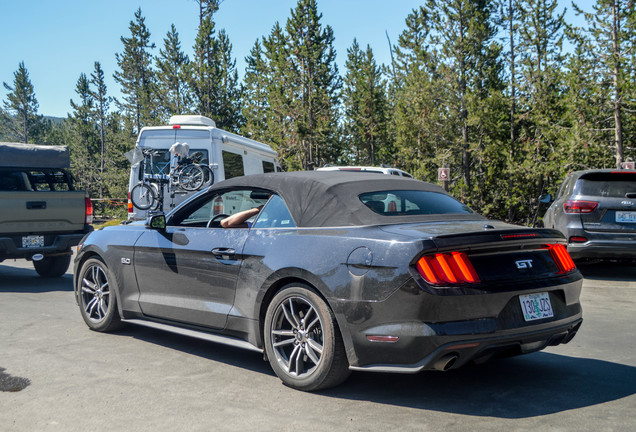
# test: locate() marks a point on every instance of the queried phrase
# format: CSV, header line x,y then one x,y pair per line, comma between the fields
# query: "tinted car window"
x,y
606,184
275,215
268,167
412,202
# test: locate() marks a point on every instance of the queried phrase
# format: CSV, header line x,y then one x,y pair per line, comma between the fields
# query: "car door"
x,y
188,272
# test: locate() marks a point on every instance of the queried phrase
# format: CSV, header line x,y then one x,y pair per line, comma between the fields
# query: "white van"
x,y
228,155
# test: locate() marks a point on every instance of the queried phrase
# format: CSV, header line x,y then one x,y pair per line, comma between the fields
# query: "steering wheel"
x,y
216,220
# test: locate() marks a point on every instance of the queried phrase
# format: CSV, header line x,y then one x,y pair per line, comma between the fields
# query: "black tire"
x,y
191,178
143,196
208,175
306,356
54,266
97,296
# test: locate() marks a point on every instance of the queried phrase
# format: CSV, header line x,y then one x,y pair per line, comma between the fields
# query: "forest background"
x,y
483,87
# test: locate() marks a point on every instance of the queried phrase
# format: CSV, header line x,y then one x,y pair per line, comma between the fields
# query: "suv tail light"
x,y
88,205
447,268
578,206
561,257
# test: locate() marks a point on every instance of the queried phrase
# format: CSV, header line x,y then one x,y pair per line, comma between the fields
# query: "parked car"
x,y
325,281
596,211
42,215
369,169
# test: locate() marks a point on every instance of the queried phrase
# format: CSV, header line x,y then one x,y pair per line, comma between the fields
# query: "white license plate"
x,y
536,306
626,216
32,241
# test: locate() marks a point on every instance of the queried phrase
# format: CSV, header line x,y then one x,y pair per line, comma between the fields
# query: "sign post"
x,y
443,175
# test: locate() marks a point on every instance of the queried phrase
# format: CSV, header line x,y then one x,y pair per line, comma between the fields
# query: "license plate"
x,y
626,216
32,241
536,306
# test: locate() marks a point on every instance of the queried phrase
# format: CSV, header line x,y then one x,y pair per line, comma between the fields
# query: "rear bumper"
x,y
596,248
54,244
413,330
461,349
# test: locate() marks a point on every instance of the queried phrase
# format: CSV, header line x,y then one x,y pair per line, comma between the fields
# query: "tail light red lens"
x,y
447,269
130,204
88,204
578,206
561,257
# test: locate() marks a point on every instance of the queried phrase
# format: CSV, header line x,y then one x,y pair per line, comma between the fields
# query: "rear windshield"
x,y
412,202
615,185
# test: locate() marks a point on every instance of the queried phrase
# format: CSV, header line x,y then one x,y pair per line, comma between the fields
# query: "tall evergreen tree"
x,y
100,114
315,85
22,106
136,76
83,140
365,106
611,32
173,69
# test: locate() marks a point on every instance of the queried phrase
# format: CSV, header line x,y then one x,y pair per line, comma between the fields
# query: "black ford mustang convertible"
x,y
335,272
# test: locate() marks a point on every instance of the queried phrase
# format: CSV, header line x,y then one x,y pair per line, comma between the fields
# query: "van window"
x,y
232,164
268,167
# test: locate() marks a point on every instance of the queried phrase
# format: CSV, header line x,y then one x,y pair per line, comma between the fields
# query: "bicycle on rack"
x,y
190,174
148,194
186,175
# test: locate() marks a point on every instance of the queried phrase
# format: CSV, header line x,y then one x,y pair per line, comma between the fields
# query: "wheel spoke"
x,y
293,359
313,323
284,343
309,350
290,314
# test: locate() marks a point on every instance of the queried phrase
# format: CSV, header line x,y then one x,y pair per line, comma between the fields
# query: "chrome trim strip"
x,y
226,340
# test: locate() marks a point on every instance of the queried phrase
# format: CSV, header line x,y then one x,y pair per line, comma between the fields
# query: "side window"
x,y
275,215
268,167
232,164
211,209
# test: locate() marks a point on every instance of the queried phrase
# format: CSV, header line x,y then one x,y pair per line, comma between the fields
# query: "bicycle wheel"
x,y
191,177
143,196
208,175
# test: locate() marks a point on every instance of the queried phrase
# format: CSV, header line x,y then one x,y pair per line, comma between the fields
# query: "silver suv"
x,y
596,211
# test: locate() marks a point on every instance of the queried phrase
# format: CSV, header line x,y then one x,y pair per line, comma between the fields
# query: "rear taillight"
x,y
578,206
561,257
88,205
447,269
130,204
578,239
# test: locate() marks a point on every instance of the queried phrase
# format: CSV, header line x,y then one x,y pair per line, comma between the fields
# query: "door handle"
x,y
224,253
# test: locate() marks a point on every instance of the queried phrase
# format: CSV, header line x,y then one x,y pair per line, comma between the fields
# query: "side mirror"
x,y
545,198
157,222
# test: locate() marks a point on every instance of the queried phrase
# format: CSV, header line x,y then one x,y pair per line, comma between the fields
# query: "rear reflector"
x,y
447,269
575,239
88,204
561,257
382,338
578,206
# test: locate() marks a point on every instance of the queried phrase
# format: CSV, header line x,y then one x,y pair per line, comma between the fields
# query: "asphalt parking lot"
x,y
56,375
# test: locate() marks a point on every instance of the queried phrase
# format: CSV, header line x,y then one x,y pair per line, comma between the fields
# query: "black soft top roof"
x,y
330,198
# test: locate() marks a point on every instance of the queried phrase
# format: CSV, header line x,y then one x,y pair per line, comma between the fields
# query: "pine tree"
x,y
100,115
22,107
315,85
83,140
365,106
173,76
611,32
136,76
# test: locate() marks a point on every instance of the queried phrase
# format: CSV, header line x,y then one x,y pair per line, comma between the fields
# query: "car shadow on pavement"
x,y
532,385
608,270
241,358
25,280
527,386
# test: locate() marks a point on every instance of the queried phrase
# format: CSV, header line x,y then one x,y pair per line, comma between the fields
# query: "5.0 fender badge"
x,y
125,261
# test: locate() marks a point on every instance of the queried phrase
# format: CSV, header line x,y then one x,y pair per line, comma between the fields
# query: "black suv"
x,y
596,211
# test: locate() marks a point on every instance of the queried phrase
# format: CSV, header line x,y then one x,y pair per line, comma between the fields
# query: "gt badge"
x,y
524,264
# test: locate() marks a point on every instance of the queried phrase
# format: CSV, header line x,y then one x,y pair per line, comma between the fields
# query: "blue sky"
x,y
58,40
